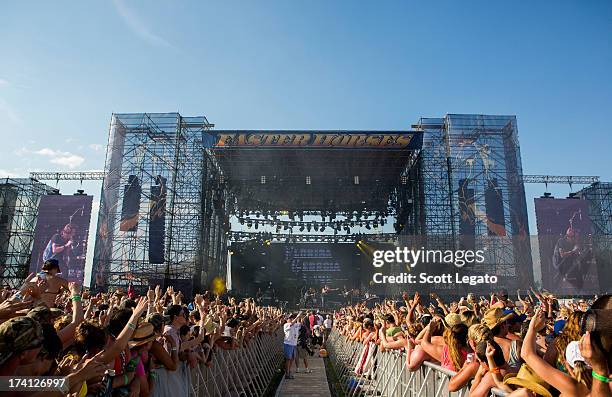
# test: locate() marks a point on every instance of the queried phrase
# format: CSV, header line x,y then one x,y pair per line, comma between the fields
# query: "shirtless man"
x,y
53,284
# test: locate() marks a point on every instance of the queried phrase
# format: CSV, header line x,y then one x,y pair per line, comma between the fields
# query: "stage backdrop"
x,y
289,268
62,221
558,220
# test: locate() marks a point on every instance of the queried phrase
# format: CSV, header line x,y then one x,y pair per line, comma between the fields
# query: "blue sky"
x,y
66,66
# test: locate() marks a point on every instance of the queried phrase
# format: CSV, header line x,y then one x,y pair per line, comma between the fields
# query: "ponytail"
x,y
456,340
582,374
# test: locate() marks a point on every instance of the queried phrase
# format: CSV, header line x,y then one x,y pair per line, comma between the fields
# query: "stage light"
x,y
308,181
356,180
231,252
263,179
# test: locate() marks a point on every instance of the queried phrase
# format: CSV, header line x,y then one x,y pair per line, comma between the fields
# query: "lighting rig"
x,y
268,238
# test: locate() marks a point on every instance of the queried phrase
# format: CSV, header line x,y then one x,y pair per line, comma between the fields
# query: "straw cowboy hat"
x,y
494,317
452,319
143,334
528,379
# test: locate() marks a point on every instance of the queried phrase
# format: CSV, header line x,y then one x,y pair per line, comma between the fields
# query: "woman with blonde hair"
x,y
476,333
453,352
555,354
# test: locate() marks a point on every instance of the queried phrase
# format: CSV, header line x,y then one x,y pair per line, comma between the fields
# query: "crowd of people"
x,y
119,343
122,344
536,345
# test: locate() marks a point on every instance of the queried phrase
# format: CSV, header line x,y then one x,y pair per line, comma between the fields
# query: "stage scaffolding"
x,y
599,196
154,168
467,164
19,200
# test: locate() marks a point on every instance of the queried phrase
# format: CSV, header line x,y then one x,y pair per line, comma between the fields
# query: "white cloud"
x,y
3,82
47,152
136,24
58,157
95,147
68,160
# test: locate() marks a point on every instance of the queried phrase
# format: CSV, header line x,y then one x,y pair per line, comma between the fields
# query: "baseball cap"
x,y
515,318
19,334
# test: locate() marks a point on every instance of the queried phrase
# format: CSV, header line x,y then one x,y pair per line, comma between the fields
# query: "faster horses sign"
x,y
320,139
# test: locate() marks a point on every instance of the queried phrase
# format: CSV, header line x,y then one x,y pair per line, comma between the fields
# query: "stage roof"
x,y
314,170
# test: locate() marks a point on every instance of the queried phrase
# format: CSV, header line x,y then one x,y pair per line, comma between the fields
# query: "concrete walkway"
x,y
306,385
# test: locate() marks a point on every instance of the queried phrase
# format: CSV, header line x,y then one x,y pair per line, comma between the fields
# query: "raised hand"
x,y
141,306
151,295
538,321
93,367
9,309
74,288
490,351
593,354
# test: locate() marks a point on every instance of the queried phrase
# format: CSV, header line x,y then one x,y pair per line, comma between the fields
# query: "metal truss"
x,y
68,176
599,197
19,199
481,152
319,238
565,179
148,148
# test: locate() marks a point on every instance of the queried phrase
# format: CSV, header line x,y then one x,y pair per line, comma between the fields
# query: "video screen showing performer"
x,y
565,234
61,234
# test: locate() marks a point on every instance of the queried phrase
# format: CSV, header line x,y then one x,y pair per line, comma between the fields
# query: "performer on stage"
x,y
60,247
324,291
309,297
571,259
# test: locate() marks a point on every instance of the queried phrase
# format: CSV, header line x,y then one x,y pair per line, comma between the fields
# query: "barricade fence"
x,y
363,370
246,371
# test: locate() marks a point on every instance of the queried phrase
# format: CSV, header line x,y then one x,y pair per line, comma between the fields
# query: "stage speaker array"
x,y
157,221
131,205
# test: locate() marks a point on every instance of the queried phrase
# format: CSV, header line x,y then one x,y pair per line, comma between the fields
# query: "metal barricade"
x,y
246,371
386,375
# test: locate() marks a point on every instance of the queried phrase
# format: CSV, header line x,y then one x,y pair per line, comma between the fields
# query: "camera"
x,y
597,321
